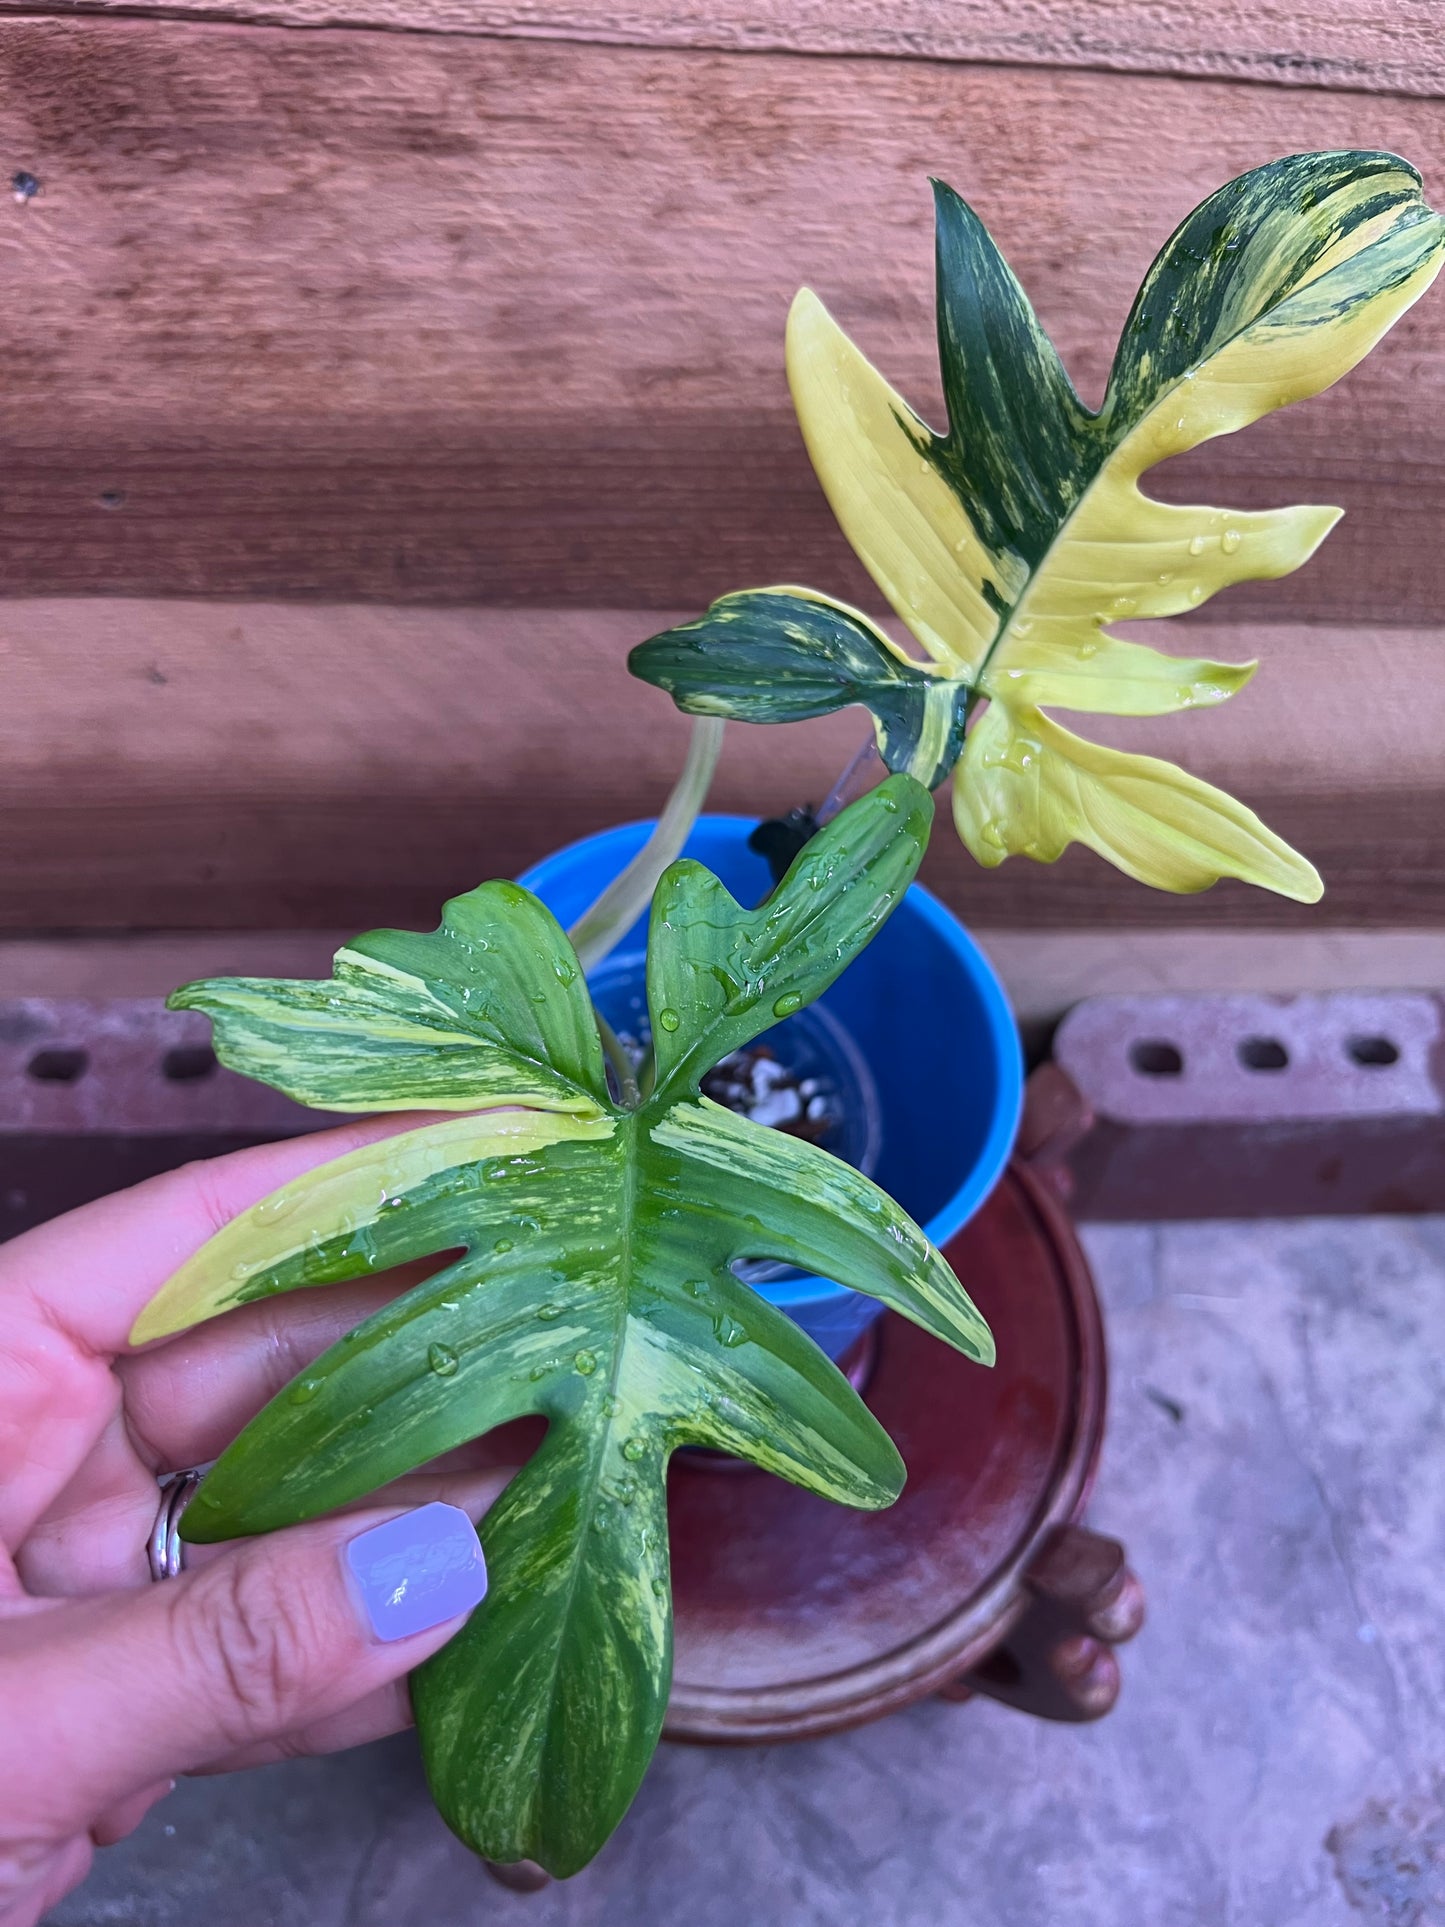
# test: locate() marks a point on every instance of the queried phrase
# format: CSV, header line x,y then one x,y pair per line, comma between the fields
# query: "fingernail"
x,y
417,1571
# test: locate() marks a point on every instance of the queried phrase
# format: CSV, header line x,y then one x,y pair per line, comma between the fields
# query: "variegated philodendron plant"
x,y
1009,544
598,1223
595,1287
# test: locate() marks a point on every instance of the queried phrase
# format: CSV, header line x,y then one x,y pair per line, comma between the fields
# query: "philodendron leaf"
x,y
595,1287
1010,543
785,655
488,1009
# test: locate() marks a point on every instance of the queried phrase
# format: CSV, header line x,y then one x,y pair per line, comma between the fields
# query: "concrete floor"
x,y
1276,1466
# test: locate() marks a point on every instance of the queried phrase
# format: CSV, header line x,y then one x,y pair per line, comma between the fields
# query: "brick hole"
x,y
1153,1057
1374,1052
1263,1054
188,1063
58,1066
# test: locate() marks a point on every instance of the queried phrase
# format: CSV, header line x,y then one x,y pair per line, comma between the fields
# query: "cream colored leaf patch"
x,y
1026,785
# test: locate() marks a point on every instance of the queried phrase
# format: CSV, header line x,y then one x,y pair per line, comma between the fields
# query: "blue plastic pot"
x,y
925,1011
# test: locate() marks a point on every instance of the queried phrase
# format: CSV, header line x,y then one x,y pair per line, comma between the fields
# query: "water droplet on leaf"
x,y
1196,545
785,1005
272,1210
502,1246
548,1312
442,1360
304,1389
668,1019
635,1449
584,1364
1230,541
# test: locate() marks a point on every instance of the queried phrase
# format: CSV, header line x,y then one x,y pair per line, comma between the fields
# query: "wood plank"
x,y
477,340
1356,44
204,765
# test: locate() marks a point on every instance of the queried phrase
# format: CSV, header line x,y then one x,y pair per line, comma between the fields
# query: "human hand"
x,y
110,1685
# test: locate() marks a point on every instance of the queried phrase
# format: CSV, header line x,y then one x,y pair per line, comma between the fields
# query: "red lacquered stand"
x,y
796,1617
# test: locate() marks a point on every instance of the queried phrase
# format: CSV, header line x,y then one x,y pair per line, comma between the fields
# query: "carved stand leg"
x,y
1058,1661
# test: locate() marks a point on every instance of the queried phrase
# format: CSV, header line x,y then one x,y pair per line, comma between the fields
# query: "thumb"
x,y
115,1693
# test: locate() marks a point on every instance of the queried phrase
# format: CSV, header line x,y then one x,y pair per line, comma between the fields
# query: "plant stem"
x,y
599,929
857,775
616,1055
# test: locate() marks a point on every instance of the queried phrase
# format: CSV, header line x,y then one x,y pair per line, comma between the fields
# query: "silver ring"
x,y
164,1550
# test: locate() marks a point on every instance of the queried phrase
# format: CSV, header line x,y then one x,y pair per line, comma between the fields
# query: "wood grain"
x,y
203,765
413,318
1390,47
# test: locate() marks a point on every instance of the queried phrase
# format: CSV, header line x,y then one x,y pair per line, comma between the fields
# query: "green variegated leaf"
x,y
375,1207
488,1009
718,974
1010,542
595,1287
822,1215
784,655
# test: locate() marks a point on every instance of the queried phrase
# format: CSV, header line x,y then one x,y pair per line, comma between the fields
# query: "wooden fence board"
x,y
415,318
1389,46
206,765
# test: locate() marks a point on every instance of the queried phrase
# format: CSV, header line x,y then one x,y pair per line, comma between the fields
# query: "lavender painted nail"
x,y
417,1571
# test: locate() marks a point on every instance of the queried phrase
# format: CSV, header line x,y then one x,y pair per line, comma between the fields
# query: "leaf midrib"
x,y
627,1133
666,1094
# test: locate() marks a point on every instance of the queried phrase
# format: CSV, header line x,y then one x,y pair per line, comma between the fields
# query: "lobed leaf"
x,y
821,1215
594,1287
607,1307
718,974
1009,542
784,655
1028,784
490,1008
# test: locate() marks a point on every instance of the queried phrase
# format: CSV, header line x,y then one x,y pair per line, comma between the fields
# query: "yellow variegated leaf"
x,y
1109,676
1010,542
1120,554
1027,785
910,528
